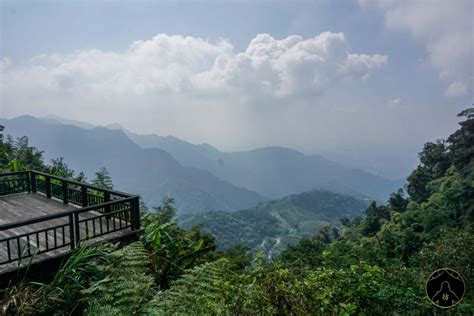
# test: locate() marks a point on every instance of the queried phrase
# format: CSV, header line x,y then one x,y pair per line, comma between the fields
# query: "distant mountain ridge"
x,y
272,225
153,173
270,171
273,172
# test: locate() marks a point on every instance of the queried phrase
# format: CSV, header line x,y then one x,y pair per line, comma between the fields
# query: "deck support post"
x,y
65,192
48,186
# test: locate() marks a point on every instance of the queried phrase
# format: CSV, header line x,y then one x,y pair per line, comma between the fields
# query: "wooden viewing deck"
x,y
44,217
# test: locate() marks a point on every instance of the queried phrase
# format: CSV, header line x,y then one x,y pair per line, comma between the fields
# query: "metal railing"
x,y
102,212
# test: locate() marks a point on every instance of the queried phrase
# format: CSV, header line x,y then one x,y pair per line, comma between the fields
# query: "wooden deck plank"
x,y
14,208
24,206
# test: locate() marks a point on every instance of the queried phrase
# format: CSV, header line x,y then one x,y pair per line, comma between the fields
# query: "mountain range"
x,y
153,173
273,171
199,176
272,225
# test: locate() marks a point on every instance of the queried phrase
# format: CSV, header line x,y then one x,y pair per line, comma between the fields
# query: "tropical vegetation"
x,y
375,264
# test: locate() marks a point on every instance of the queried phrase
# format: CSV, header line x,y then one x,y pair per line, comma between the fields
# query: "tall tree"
x,y
397,202
103,179
461,142
60,168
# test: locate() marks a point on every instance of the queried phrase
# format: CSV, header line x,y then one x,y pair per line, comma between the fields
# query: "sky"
x,y
363,82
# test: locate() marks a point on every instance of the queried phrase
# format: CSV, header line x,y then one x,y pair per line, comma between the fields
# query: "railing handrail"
x,y
90,186
114,192
13,173
110,204
44,218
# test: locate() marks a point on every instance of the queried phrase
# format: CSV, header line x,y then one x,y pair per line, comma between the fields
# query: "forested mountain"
x,y
152,173
273,172
376,264
272,225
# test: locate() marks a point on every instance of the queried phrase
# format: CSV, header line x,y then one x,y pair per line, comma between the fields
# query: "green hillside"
x,y
376,264
270,226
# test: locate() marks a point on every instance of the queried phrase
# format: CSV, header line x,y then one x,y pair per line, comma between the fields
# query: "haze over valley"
x,y
199,177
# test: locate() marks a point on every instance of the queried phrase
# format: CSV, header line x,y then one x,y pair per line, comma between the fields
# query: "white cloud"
x,y
447,30
177,64
192,88
393,103
456,89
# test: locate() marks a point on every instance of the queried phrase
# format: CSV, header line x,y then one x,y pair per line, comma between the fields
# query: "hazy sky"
x,y
364,82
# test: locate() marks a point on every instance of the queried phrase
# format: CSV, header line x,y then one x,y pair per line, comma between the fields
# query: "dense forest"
x,y
272,225
374,264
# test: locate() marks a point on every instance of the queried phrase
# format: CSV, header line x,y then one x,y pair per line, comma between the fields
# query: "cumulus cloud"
x,y
193,88
280,68
178,64
447,30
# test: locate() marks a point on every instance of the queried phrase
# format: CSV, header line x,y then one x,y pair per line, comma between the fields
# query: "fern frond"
x,y
196,293
126,286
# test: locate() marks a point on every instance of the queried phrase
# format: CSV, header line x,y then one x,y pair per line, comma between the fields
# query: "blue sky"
x,y
364,82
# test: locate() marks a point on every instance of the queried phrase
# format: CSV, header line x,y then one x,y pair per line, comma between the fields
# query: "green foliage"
x,y
276,289
60,168
81,177
64,292
172,249
307,253
29,157
17,155
102,179
249,227
239,256
198,292
460,142
287,220
397,202
376,265
375,216
165,212
126,283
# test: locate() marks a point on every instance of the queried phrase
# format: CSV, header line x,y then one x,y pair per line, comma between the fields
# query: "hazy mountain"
x,y
51,118
273,171
152,173
274,224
